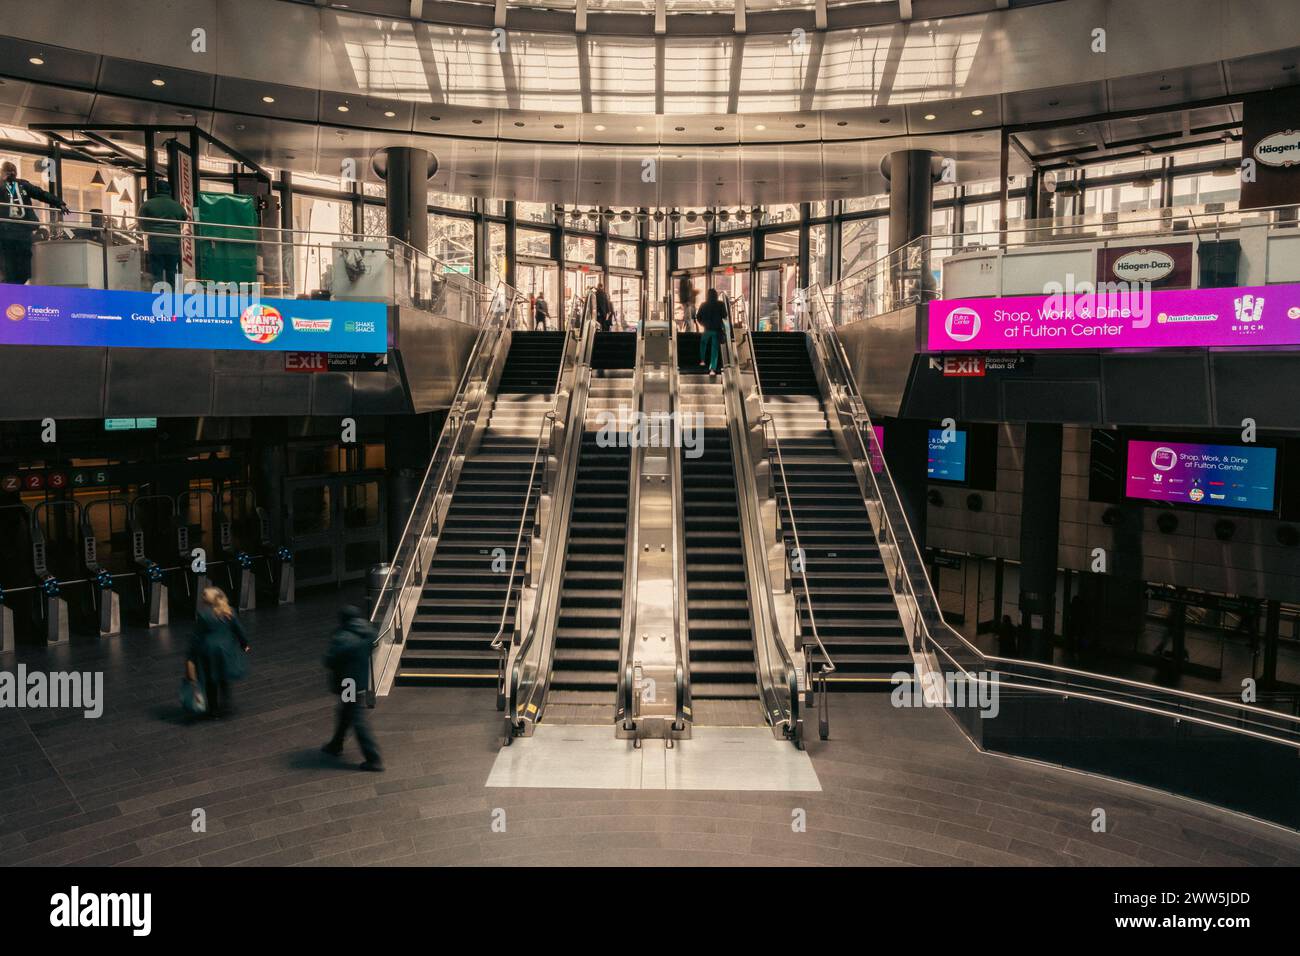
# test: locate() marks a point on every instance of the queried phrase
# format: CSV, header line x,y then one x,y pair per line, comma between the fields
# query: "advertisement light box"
x,y
947,456
1208,476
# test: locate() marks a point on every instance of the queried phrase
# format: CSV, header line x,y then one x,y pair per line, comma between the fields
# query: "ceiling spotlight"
x,y
389,113
35,61
760,127
640,129
800,125
342,108
675,215
559,126
724,215
976,112
97,179
268,99
842,123
625,215
929,116
600,127
708,215
157,81
519,123
740,215
690,216
659,215
680,129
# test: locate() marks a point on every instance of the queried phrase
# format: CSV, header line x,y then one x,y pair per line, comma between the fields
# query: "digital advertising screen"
x,y
1135,318
46,315
947,456
1210,476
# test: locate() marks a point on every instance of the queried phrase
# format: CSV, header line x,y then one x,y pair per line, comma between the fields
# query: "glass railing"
x,y
1220,750
913,274
90,250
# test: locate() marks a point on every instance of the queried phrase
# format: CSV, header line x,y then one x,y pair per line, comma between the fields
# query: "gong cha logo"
x,y
261,323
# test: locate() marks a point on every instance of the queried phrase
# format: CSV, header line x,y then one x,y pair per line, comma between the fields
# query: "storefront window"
x,y
530,242
687,228
862,242
819,254
451,201
451,239
534,212
787,212
374,222
692,255
579,249
622,255
630,229
496,270
866,204
734,250
781,245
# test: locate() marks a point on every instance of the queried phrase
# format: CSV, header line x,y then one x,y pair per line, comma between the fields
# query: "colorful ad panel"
x,y
947,457
44,315
1141,318
1216,476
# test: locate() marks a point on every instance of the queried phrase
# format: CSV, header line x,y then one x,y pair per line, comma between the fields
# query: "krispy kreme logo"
x,y
261,323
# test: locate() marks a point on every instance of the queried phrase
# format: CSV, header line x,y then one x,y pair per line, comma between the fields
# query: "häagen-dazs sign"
x,y
1143,265
1279,149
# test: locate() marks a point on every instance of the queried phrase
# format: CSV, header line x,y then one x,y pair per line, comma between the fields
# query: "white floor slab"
x,y
715,758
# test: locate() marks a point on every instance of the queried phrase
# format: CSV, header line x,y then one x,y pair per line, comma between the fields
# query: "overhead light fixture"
x,y
35,61
976,112
158,81
600,127
97,179
625,215
389,113
112,189
126,196
268,99
342,108
1145,181
760,127
929,116
724,215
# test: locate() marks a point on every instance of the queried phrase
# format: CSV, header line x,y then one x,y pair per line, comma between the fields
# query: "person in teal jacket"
x,y
217,649
161,217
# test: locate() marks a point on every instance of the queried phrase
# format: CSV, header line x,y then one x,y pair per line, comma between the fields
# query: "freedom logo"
x,y
962,325
15,312
261,323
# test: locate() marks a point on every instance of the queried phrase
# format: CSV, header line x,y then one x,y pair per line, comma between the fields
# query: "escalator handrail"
x,y
625,694
828,665
525,691
681,589
459,425
825,333
758,574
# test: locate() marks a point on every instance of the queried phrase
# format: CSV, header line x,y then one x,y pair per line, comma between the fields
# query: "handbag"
x,y
192,699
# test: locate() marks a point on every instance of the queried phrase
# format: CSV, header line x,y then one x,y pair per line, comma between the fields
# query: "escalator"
x,y
818,494
588,632
459,613
721,637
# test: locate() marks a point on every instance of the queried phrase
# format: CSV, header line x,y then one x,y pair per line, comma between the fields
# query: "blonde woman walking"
x,y
217,649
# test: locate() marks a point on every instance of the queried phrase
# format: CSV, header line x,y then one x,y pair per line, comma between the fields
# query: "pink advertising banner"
x,y
1141,319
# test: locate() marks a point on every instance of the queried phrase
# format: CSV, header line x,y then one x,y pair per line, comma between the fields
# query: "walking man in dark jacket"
x,y
604,311
348,661
18,223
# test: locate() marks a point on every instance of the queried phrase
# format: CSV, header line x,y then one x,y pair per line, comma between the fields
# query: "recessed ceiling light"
x,y
600,127
436,119
800,125
268,99
35,61
680,129
842,123
477,122
1288,67
519,122
760,127
929,116
640,129
1053,102
559,126
976,112
719,129
389,113
1165,87
156,81
884,119
342,108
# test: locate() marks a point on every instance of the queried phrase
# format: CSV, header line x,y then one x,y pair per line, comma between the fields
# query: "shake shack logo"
x,y
1143,265
1279,149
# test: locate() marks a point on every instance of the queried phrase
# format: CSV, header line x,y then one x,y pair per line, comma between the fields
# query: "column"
x,y
406,171
1039,535
910,173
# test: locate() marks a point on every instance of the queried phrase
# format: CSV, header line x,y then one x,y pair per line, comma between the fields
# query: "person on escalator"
x,y
217,649
348,663
711,317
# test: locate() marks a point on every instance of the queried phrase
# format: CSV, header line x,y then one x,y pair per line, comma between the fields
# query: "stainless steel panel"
x,y
51,382
158,382
434,351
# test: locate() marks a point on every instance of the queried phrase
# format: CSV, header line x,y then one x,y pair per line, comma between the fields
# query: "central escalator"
x,y
818,494
584,673
460,610
721,638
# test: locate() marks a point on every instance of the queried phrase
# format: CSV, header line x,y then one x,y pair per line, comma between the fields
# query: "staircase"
x,y
854,607
722,665
459,612
584,672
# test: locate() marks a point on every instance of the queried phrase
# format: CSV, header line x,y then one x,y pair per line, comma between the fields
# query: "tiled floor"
x,y
898,787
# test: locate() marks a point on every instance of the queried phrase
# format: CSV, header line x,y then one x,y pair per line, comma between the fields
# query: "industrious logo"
x,y
76,909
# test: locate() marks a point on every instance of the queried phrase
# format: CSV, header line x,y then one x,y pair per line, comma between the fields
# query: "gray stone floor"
x,y
899,787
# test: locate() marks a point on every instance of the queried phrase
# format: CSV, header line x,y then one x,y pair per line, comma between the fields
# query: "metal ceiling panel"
x,y
22,104
1264,71
58,65
151,82
1057,103
236,95
1170,88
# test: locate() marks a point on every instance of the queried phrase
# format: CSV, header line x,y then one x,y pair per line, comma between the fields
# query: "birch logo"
x,y
1249,308
962,324
75,909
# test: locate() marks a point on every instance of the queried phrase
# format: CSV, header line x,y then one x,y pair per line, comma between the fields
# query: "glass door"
x,y
625,300
687,285
578,281
777,284
534,278
732,284
336,527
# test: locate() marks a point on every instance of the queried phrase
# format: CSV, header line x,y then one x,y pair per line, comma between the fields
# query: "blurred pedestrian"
x,y
348,661
217,649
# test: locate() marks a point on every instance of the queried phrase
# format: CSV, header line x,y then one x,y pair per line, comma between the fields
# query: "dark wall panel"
x,y
1150,390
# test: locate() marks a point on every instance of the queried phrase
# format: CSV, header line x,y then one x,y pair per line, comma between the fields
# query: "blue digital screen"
x,y
1211,476
46,315
947,456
